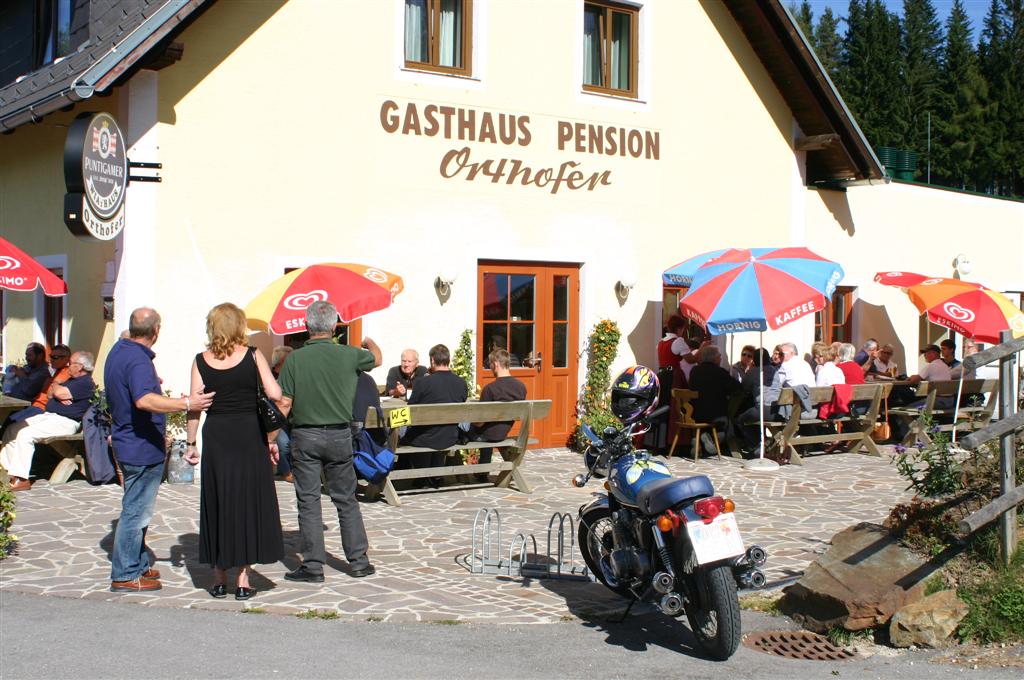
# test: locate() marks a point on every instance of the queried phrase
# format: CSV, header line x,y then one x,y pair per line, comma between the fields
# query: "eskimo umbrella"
x,y
355,289
969,309
18,271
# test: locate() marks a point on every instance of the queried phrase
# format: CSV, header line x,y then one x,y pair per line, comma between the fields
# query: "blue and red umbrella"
x,y
759,288
682,274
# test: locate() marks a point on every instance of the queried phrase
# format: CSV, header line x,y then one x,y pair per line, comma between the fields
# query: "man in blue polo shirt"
x,y
137,409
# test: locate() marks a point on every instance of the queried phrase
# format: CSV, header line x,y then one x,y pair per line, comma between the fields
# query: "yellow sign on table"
x,y
400,416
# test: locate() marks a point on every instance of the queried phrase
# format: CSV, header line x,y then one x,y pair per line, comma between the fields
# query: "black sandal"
x,y
219,591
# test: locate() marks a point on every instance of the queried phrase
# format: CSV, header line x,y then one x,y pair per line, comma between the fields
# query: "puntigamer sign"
x,y
96,175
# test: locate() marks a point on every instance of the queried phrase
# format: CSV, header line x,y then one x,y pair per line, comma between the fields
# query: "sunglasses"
x,y
59,356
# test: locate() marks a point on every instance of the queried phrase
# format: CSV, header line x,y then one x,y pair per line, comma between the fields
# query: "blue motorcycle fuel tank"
x,y
631,472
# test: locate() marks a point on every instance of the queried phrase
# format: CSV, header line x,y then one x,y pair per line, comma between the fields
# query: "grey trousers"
x,y
329,450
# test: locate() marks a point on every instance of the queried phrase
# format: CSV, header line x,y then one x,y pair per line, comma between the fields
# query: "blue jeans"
x,y
284,448
141,483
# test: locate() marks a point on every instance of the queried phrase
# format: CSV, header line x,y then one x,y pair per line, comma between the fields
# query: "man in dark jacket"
x,y
440,386
714,387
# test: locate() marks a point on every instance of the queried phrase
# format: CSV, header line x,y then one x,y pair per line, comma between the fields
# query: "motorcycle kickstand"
x,y
625,613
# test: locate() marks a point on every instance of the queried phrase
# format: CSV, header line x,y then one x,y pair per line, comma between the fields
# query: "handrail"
x,y
993,353
990,432
991,511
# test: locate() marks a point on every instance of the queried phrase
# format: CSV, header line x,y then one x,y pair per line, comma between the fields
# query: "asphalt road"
x,y
51,637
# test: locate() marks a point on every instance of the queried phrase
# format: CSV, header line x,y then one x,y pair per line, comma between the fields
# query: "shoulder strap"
x,y
259,379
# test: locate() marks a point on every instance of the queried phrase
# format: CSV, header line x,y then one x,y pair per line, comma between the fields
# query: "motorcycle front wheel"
x,y
715,619
596,543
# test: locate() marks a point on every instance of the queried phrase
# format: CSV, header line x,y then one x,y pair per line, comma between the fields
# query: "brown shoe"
x,y
151,574
140,584
19,484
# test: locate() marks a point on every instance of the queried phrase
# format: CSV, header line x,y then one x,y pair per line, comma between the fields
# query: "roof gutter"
x,y
96,78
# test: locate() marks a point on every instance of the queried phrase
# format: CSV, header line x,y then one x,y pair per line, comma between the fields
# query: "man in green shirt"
x,y
319,384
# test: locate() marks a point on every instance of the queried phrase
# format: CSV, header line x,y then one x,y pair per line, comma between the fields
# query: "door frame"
x,y
573,344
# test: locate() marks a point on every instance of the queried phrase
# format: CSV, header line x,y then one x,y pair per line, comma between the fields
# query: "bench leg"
x,y
513,475
65,468
794,457
390,495
867,446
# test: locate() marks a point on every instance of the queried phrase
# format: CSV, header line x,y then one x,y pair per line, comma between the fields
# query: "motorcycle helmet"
x,y
634,394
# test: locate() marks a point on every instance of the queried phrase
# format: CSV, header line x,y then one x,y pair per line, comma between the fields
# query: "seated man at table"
x,y
401,378
883,363
63,416
714,387
30,378
504,388
440,386
947,351
793,371
869,350
58,374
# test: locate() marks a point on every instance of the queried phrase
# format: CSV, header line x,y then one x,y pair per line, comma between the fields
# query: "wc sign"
x,y
96,176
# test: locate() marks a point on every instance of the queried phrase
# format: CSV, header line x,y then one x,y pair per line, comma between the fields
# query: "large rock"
x,y
859,583
927,623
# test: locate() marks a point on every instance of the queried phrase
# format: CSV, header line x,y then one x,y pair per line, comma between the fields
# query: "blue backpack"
x,y
373,461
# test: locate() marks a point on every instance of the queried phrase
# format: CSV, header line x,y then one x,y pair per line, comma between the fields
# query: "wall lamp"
x,y
962,265
445,279
625,284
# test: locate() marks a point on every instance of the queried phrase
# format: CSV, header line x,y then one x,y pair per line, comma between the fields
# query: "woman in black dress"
x,y
239,521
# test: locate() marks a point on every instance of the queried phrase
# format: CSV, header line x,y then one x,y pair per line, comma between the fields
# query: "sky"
x,y
976,10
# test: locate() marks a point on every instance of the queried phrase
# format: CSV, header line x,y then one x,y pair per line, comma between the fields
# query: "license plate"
x,y
716,540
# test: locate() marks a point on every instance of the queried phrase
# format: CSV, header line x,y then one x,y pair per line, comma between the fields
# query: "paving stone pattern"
x,y
65,537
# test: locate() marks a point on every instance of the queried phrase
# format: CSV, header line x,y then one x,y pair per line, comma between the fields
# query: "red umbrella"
x,y
354,289
18,271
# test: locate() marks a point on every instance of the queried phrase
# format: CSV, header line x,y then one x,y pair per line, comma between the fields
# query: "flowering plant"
x,y
592,408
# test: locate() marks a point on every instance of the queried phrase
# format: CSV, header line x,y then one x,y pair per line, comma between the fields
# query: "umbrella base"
x,y
761,465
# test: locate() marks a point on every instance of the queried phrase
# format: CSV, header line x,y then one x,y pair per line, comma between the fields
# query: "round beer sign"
x,y
96,174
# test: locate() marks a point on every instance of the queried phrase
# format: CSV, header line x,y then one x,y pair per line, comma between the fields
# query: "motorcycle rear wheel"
x,y
595,541
715,620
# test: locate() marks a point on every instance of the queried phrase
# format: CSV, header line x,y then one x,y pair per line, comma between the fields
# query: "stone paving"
x,y
419,549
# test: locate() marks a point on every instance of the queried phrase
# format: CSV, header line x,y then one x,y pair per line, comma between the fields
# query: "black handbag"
x,y
270,416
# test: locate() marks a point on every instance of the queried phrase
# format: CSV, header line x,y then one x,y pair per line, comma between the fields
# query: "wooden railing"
x,y
1005,505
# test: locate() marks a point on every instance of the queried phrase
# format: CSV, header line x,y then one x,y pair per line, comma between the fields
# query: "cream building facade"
x,y
298,132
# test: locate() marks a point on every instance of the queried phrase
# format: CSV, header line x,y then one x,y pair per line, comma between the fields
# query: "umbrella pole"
x,y
761,463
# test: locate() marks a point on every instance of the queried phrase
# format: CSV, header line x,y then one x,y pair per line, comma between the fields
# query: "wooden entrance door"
x,y
532,310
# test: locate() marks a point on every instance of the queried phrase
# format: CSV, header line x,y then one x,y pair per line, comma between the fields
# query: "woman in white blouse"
x,y
826,373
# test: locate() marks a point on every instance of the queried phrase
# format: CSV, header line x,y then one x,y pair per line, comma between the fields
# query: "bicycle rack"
x,y
485,553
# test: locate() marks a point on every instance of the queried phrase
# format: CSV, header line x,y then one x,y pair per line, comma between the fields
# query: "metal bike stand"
x,y
485,553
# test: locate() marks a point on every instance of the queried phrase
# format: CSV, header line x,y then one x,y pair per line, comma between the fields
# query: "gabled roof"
x,y
836,148
121,32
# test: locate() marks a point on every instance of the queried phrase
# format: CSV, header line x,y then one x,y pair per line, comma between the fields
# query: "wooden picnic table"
x,y
9,405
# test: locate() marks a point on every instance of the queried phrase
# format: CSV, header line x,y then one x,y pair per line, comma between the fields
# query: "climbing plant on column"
x,y
592,408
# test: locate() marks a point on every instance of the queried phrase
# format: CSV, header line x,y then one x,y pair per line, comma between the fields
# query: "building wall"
x,y
31,216
274,155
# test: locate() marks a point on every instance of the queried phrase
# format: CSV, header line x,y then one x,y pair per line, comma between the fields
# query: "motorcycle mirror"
x,y
579,481
590,434
658,412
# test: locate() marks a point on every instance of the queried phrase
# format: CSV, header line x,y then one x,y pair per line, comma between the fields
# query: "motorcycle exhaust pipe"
x,y
671,604
663,582
757,579
757,555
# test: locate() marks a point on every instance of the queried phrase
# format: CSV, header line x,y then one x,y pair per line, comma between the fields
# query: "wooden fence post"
x,y
1007,474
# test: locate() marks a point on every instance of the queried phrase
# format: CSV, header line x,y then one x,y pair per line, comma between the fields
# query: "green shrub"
x,y
7,515
592,407
932,470
996,605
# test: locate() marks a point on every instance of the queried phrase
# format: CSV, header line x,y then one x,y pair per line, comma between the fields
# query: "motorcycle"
x,y
658,538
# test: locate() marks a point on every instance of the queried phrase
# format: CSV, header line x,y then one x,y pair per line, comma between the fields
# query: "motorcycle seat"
x,y
656,497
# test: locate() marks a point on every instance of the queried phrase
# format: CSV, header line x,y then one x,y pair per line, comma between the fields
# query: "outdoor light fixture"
x,y
445,279
625,284
962,265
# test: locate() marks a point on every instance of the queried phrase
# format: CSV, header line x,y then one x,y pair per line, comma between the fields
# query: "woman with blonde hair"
x,y
826,373
239,521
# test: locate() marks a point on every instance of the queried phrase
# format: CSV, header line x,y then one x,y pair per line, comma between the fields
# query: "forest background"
x,y
948,90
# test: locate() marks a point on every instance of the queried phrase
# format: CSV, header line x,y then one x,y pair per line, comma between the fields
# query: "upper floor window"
x,y
34,33
610,37
438,36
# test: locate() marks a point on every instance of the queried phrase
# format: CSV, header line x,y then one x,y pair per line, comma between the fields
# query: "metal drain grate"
x,y
797,644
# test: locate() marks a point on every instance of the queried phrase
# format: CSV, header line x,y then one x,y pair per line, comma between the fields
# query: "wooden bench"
x,y
512,449
71,448
786,433
969,417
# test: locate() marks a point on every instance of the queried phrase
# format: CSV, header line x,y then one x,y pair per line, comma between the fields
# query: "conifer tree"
x,y
827,43
959,117
804,18
921,42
